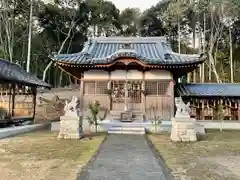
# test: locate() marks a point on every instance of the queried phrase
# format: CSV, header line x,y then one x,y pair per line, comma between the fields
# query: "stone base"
x,y
183,129
70,127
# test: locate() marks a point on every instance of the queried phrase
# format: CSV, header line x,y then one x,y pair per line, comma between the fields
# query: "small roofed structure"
x,y
207,97
17,102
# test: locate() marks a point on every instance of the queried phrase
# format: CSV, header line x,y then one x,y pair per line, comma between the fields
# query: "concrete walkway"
x,y
124,157
12,131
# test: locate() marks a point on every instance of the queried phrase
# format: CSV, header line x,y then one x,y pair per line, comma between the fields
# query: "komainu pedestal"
x,y
183,127
183,130
71,122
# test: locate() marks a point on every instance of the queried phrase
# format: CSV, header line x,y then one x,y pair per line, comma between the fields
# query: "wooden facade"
x,y
205,108
18,102
152,97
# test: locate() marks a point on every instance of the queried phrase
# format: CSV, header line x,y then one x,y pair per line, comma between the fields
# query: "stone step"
x,y
165,128
126,130
116,115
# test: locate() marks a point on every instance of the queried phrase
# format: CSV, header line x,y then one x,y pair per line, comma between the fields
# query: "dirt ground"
x,y
217,157
40,156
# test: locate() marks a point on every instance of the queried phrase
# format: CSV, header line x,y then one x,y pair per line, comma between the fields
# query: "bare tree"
x,y
73,24
7,24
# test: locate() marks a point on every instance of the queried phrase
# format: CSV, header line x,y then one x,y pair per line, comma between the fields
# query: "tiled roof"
x,y
11,72
150,50
209,89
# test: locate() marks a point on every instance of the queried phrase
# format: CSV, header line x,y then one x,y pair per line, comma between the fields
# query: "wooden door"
x,y
117,95
134,95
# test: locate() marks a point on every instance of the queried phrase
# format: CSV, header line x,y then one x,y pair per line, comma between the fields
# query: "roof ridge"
x,y
131,39
187,55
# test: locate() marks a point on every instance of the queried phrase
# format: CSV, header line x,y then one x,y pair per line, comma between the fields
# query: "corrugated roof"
x,y
12,72
209,89
151,50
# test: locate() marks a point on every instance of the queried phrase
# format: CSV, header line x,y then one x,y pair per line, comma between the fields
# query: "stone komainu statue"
x,y
73,107
181,107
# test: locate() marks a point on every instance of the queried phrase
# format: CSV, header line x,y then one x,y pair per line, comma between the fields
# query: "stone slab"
x,y
183,129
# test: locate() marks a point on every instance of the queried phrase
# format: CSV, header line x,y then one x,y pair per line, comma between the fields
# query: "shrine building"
x,y
137,74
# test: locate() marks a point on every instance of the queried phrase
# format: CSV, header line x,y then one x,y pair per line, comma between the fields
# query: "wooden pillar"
x,y
230,110
126,96
238,109
81,96
144,93
143,97
172,84
34,93
109,87
110,93
13,98
202,117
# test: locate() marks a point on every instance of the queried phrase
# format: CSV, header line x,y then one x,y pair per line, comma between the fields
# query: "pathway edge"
x,y
83,172
165,169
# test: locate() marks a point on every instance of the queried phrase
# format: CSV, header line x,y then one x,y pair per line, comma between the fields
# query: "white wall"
x,y
134,74
96,75
118,74
122,74
158,74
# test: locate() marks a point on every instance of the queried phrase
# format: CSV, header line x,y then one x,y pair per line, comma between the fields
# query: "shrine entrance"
x,y
126,95
134,89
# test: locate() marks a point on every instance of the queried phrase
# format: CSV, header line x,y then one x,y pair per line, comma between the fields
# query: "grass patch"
x,y
211,158
39,155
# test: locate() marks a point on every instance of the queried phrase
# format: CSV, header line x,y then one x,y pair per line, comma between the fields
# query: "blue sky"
x,y
142,4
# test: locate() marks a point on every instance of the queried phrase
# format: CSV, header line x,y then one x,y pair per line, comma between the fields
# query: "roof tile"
x,y
14,73
209,89
151,50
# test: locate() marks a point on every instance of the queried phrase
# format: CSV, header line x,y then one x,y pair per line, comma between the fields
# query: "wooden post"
x,y
34,93
126,96
238,109
81,95
13,99
109,89
10,99
172,84
144,95
202,110
109,95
